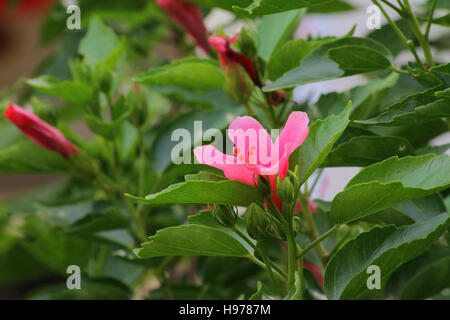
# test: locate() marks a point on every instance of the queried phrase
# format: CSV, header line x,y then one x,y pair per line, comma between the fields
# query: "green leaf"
x,y
366,98
331,7
197,98
366,150
417,108
389,38
290,56
109,130
71,91
28,157
322,135
193,73
99,43
95,222
205,192
443,94
263,7
53,247
408,212
422,277
419,135
193,240
386,183
355,59
204,175
340,58
274,30
206,218
443,21
433,149
387,247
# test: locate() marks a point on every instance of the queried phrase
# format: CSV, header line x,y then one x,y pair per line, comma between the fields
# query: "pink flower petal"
x,y
253,143
293,135
228,164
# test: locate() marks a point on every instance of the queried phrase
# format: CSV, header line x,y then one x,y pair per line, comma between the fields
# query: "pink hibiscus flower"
x,y
255,153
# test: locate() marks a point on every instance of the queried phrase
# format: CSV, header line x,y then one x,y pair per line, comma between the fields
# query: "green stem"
x,y
398,70
292,259
316,180
141,162
414,52
275,209
430,20
269,269
391,22
412,20
314,234
269,265
337,246
314,243
299,280
163,281
398,31
263,266
396,9
401,5
140,231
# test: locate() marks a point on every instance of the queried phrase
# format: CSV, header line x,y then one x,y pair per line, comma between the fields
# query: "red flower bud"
x,y
228,57
190,18
39,131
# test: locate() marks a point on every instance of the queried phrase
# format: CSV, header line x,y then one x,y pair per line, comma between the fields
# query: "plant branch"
x,y
312,228
430,20
413,22
396,9
398,70
278,272
398,31
314,243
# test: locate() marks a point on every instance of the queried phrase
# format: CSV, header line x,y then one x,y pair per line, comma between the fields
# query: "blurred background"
x,y
34,40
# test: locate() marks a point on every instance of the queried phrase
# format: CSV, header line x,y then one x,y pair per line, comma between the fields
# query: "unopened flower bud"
x,y
294,179
247,44
258,222
286,191
225,215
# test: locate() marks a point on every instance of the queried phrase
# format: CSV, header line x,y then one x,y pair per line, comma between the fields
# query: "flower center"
x,y
248,157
